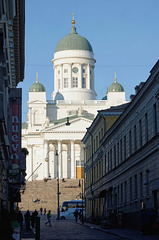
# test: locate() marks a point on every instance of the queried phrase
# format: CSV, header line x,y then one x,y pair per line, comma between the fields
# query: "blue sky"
x,y
124,35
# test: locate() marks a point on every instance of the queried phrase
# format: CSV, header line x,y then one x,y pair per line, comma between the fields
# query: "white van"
x,y
68,208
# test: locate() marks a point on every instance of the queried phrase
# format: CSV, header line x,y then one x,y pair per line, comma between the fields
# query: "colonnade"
x,y
62,164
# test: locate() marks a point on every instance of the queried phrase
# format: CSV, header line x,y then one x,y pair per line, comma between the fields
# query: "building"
x,y
12,30
122,169
57,126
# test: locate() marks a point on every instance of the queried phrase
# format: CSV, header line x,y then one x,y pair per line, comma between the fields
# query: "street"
x,y
63,230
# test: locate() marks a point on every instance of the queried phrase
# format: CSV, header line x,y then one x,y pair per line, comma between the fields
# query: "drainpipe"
x,y
104,123
92,172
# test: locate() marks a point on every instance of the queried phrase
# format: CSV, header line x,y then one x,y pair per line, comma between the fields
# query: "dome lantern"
x,y
116,87
37,87
73,41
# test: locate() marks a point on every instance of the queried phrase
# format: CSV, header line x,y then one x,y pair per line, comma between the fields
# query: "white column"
x,y
80,76
73,173
30,163
88,76
70,76
61,77
59,163
55,78
46,159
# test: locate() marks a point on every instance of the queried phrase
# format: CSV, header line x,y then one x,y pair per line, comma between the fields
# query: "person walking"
x,y
44,211
76,215
27,220
41,210
48,218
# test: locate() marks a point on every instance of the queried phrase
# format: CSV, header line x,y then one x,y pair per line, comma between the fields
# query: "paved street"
x,y
63,230
67,230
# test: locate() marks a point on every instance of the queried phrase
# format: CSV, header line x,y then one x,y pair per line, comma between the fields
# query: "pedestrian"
x,y
20,217
41,210
48,218
76,215
32,218
44,211
27,220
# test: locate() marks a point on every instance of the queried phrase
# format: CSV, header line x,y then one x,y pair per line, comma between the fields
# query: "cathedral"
x,y
54,128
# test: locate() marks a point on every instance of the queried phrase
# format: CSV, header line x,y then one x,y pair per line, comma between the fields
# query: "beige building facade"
x,y
126,163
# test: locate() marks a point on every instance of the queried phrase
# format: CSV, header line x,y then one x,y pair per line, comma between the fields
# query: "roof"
x,y
64,120
37,87
116,87
73,41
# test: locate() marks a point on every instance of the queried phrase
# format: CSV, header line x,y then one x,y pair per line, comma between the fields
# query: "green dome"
x,y
104,98
73,41
116,87
37,87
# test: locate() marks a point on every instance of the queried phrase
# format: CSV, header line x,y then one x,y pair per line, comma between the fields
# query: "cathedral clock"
x,y
75,70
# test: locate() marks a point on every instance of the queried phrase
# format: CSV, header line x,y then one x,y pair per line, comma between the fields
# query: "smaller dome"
x,y
116,87
37,87
104,98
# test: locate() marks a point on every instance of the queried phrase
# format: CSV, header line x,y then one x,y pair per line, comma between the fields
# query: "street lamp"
x,y
58,207
58,193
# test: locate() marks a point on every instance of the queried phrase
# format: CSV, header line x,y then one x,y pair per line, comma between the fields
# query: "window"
x,y
130,150
84,70
130,189
58,83
10,34
83,82
121,193
125,188
147,182
121,151
110,159
154,119
118,194
141,185
65,82
96,142
140,132
75,82
114,156
135,145
94,146
124,147
135,186
58,71
65,70
146,128
118,153
102,132
91,83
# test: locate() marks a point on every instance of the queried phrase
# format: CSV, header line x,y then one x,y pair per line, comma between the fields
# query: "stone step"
x,y
44,194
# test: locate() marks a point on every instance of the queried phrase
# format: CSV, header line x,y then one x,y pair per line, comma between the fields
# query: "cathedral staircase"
x,y
44,194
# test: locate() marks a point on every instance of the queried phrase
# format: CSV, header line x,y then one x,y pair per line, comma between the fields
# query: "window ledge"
x,y
147,197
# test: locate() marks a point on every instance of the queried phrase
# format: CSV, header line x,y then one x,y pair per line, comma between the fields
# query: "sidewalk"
x,y
27,235
129,234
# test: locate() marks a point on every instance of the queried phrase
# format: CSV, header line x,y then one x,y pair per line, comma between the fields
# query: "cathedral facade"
x,y
54,128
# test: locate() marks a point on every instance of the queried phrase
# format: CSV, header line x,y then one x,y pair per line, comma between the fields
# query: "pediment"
x,y
37,102
76,125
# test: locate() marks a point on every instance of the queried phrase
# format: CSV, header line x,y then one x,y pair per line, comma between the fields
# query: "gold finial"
x,y
73,20
37,80
115,77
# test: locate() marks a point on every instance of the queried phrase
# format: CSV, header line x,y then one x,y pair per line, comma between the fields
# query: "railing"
x,y
77,102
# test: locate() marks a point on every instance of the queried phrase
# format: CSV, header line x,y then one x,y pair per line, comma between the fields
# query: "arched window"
x,y
37,117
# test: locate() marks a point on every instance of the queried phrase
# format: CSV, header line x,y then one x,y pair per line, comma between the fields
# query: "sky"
x,y
124,35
